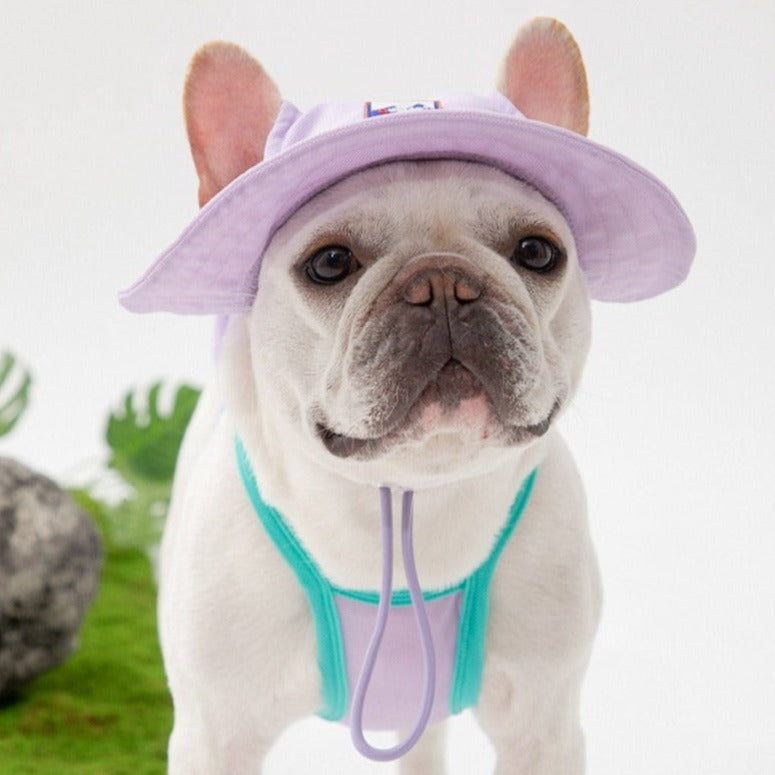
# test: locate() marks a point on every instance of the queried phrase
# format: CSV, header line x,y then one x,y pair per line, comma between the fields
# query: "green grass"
x,y
106,711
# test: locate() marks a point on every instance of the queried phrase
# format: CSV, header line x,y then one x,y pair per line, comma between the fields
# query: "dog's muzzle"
x,y
437,334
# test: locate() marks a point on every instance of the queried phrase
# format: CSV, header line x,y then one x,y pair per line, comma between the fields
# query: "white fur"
x,y
237,636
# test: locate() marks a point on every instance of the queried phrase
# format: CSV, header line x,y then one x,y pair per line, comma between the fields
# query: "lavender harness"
x,y
403,689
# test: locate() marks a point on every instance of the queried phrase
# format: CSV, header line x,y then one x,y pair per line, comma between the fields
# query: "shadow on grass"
x,y
10,699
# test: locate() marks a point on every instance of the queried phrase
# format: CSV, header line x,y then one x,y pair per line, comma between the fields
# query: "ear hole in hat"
x,y
544,76
230,104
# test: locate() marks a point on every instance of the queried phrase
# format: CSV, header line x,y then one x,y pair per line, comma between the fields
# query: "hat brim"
x,y
634,240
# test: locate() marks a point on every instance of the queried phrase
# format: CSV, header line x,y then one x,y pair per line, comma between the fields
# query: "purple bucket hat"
x,y
634,241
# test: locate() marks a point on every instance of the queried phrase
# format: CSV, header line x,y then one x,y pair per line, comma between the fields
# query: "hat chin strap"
x,y
423,627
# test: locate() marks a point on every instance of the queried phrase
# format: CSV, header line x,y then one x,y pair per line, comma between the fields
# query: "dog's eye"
x,y
330,265
537,254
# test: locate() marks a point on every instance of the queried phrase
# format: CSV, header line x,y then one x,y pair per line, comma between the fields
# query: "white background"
x,y
673,426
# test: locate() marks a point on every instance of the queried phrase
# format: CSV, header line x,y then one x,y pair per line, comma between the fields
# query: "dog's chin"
x,y
454,408
355,448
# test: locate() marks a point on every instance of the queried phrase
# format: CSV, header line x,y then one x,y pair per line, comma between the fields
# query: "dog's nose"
x,y
441,285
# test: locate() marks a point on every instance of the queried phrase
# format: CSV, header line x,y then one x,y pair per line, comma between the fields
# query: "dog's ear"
x,y
544,76
230,104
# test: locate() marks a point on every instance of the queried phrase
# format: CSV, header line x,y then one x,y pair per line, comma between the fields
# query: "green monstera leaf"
x,y
143,442
16,381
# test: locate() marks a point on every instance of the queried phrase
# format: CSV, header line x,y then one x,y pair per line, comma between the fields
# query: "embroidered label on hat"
x,y
386,108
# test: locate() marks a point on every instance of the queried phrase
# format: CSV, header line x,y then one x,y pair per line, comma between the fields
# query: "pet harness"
x,y
451,624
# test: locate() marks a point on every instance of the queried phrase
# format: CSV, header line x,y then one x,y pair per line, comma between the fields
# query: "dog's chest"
x,y
344,621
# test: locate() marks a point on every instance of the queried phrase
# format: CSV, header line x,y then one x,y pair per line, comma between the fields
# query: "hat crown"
x,y
293,126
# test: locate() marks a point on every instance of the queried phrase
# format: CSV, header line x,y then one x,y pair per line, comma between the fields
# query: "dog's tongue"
x,y
418,603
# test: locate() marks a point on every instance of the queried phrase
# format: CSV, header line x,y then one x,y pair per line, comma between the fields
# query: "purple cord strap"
x,y
426,639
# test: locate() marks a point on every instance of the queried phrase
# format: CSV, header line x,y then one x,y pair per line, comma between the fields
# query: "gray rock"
x,y
50,560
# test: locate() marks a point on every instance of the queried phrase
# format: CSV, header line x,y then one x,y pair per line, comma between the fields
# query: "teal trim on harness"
x,y
399,597
319,595
472,627
469,660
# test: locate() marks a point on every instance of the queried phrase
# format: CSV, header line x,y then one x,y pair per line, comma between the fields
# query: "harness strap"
x,y
320,597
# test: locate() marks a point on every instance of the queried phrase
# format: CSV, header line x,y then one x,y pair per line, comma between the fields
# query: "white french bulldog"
x,y
420,324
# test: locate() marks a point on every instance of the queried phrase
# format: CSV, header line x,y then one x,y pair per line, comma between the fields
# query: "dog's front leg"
x,y
539,733
199,748
236,632
545,606
427,757
227,724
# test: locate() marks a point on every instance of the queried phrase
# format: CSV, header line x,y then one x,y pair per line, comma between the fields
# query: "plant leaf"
x,y
12,408
144,445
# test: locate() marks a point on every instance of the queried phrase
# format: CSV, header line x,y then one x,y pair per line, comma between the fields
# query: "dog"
x,y
404,295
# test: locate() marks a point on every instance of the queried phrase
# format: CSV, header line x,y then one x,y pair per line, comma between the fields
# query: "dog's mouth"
x,y
452,389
